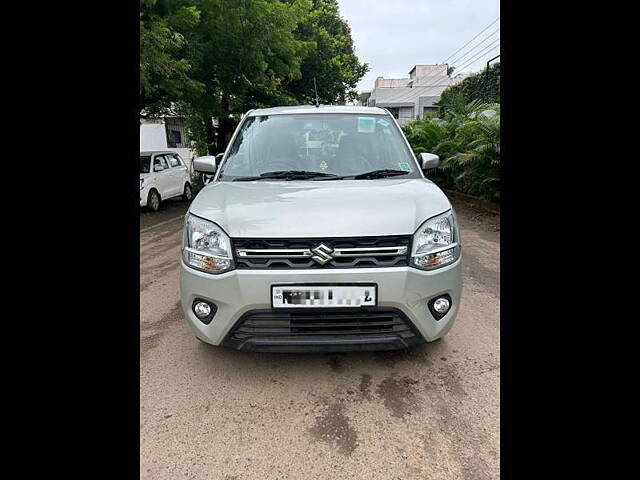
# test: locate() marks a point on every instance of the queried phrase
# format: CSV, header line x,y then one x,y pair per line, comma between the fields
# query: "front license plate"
x,y
323,296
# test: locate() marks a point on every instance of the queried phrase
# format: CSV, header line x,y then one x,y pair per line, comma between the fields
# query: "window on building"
x,y
429,112
395,111
174,138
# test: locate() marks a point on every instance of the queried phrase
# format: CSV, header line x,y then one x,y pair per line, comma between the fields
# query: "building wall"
x,y
405,115
363,98
382,82
428,103
153,136
428,70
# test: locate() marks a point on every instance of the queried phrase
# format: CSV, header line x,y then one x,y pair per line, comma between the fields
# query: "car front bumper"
x,y
240,292
144,193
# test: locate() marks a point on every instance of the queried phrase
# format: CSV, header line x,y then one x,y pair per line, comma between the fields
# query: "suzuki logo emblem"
x,y
322,254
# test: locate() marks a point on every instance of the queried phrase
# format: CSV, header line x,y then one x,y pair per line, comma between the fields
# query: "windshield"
x,y
330,144
145,160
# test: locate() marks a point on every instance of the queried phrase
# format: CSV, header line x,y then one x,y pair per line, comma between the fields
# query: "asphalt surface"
x,y
210,413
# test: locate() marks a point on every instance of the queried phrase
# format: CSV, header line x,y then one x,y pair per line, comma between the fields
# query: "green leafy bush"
x,y
467,139
483,86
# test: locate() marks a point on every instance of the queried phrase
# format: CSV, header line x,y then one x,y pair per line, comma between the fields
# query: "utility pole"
x,y
486,78
491,60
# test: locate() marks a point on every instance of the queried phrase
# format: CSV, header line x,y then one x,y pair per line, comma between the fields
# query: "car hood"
x,y
145,175
340,208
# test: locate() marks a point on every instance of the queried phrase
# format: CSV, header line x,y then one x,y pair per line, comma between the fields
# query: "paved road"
x,y
427,413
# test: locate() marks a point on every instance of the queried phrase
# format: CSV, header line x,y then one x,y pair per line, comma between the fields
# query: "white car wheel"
x,y
153,201
187,196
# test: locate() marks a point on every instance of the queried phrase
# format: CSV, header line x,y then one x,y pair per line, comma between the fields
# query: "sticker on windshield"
x,y
404,166
366,124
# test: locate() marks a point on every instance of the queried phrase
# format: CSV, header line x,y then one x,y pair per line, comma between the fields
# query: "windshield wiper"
x,y
286,175
386,172
373,174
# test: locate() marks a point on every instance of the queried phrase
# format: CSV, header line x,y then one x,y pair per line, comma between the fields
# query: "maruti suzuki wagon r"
x,y
163,175
320,232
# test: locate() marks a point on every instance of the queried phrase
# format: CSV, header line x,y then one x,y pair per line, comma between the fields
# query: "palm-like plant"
x,y
468,142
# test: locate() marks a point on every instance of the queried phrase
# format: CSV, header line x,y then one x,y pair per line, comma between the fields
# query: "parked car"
x,y
320,232
163,175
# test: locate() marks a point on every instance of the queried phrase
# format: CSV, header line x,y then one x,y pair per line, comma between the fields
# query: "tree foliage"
x,y
331,59
220,58
467,139
165,75
483,86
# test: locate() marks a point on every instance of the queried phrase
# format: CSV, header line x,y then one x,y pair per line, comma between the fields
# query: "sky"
x,y
394,35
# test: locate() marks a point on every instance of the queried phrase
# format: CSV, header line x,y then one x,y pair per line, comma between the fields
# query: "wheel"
x,y
153,201
187,196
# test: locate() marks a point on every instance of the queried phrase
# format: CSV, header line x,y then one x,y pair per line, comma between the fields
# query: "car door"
x,y
179,172
163,177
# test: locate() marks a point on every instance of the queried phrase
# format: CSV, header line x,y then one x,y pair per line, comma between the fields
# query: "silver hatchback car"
x,y
320,232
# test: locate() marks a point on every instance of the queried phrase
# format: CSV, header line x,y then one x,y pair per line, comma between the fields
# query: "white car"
x,y
320,232
163,175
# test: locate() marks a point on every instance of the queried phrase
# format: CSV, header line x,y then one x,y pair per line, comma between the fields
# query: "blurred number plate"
x,y
321,296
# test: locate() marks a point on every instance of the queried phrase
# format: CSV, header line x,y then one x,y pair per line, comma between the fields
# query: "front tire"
x,y
153,201
187,196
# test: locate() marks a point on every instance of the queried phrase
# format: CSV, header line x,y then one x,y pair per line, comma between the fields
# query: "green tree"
x,y
243,51
331,60
205,59
164,71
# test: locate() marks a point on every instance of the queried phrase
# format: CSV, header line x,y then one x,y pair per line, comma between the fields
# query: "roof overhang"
x,y
394,104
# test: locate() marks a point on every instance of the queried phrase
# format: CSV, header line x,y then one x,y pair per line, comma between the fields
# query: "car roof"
x,y
301,109
153,152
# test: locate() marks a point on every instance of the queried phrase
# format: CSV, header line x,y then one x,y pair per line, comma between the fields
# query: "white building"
x,y
167,133
413,97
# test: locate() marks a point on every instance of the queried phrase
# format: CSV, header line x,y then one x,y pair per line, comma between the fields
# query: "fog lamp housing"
x,y
440,305
204,310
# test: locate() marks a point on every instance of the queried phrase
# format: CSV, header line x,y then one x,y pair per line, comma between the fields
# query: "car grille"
x,y
354,252
282,327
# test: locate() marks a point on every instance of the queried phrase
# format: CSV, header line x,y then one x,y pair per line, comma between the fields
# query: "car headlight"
x,y
205,246
141,182
436,242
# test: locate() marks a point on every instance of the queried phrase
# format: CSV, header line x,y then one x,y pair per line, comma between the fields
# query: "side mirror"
x,y
429,160
219,159
158,168
206,164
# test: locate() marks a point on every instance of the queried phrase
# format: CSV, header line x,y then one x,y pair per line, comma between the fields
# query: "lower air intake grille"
x,y
326,328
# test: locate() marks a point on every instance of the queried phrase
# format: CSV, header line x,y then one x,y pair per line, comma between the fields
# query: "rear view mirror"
x,y
158,168
206,164
429,160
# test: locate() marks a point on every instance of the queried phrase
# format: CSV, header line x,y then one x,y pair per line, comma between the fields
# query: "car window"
x,y
160,160
174,160
144,163
339,144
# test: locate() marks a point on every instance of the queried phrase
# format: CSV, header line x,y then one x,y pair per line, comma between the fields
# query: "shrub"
x,y
467,139
483,86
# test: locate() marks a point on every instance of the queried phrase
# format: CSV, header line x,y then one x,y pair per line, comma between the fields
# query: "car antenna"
x,y
315,88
